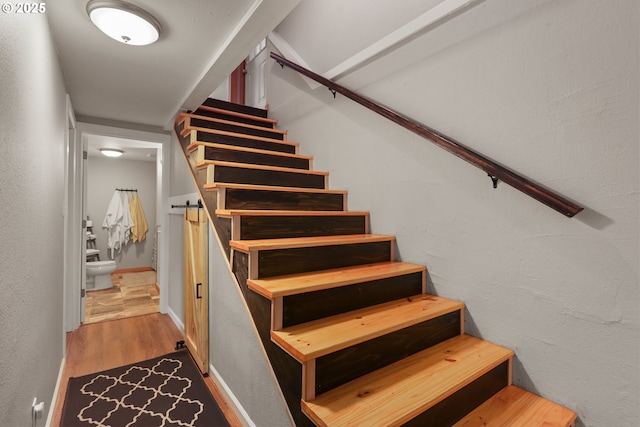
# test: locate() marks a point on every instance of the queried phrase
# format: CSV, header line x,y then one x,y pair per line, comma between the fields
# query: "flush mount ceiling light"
x,y
111,152
124,22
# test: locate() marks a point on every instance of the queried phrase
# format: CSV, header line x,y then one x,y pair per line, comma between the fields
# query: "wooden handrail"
x,y
496,171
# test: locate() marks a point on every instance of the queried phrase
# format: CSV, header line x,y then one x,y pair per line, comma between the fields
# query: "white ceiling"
x,y
202,41
133,149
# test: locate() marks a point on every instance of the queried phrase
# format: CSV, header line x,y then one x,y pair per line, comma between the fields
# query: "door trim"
x,y
72,310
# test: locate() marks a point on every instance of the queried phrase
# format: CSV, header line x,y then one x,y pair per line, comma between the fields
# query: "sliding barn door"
x,y
196,286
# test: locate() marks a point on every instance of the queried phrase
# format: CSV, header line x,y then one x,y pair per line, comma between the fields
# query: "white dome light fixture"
x,y
111,152
124,22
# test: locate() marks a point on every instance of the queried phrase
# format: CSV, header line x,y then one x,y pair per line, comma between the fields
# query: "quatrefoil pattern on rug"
x,y
149,397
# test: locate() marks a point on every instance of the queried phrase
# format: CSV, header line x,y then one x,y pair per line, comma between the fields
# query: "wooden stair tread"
x,y
398,392
236,114
216,185
231,122
275,287
320,337
513,406
262,212
205,163
194,146
301,242
392,395
189,129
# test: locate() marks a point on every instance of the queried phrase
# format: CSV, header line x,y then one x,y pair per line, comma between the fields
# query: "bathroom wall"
x,y
104,175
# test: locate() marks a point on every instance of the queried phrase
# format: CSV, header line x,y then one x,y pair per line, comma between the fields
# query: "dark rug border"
x,y
199,386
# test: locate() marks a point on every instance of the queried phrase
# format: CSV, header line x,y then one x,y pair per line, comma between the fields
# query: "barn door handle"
x,y
198,296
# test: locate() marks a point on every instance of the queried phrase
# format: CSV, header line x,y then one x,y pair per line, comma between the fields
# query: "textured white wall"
x,y
181,181
549,88
104,175
235,349
33,115
369,20
181,184
176,266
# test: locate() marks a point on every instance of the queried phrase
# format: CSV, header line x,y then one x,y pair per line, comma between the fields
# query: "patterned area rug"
x,y
167,391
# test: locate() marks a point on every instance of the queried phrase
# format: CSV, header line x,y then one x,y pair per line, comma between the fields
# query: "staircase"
x,y
352,336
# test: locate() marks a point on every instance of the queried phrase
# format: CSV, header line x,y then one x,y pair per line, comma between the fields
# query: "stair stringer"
x,y
286,371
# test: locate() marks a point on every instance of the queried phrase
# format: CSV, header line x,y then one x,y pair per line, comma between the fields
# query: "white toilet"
x,y
99,274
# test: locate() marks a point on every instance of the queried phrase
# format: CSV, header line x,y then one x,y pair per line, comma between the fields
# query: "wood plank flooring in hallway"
x,y
105,345
120,302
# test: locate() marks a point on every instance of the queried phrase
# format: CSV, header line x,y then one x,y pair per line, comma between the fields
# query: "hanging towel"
x,y
140,227
127,221
118,223
113,223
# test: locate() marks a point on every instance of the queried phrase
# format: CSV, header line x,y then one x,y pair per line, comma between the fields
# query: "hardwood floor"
x,y
118,303
105,345
121,300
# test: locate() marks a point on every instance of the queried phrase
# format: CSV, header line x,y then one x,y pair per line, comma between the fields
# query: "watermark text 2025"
x,y
24,8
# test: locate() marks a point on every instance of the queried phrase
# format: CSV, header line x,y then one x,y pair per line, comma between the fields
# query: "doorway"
x,y
142,147
126,185
256,88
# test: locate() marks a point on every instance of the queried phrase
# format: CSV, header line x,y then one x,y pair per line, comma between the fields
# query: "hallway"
x,y
105,345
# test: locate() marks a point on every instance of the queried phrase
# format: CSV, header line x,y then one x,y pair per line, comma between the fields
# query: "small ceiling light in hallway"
x,y
124,22
111,152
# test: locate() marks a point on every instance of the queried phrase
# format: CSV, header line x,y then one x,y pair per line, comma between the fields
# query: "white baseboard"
x,y
56,390
230,398
227,394
176,319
